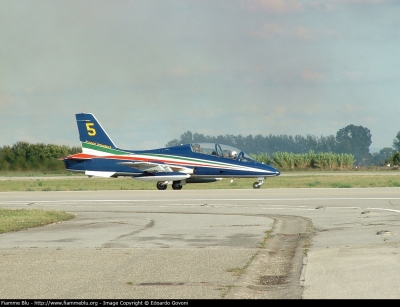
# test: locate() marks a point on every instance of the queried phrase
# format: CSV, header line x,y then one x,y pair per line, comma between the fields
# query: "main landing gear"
x,y
162,185
176,185
257,184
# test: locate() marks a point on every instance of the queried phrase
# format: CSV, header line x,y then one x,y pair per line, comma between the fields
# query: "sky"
x,y
150,70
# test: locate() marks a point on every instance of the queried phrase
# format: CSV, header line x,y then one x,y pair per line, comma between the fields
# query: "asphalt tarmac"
x,y
206,244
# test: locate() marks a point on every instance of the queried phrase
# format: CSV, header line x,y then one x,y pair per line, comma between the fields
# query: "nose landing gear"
x,y
257,184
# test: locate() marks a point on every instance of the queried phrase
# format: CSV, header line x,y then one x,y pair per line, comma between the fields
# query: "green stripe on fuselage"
x,y
104,149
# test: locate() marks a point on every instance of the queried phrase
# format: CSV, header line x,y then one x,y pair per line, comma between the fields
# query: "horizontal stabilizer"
x,y
99,174
78,157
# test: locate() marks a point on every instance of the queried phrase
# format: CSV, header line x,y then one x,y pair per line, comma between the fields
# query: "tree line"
x,y
349,147
353,140
23,156
322,160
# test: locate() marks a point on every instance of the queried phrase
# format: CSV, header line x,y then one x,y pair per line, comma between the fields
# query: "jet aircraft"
x,y
176,165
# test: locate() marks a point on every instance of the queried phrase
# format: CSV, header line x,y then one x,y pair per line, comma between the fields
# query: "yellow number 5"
x,y
90,129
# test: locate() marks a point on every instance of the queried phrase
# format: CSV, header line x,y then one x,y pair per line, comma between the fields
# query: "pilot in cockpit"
x,y
233,154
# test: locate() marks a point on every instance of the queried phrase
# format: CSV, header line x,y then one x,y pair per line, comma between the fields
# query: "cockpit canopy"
x,y
221,150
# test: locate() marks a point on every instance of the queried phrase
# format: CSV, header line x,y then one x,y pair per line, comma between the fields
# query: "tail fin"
x,y
94,139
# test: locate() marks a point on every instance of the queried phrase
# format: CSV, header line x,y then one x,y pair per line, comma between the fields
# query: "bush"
x,y
23,156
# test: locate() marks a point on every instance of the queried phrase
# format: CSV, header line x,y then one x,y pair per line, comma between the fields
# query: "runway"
x,y
267,243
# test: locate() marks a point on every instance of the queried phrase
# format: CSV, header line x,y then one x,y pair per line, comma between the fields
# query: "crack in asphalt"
x,y
275,272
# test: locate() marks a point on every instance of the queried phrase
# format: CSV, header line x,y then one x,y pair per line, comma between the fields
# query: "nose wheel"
x,y
257,184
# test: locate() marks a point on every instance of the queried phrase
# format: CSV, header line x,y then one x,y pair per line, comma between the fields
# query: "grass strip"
x,y
17,219
301,181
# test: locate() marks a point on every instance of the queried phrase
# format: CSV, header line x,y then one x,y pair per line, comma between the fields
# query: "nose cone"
x,y
277,173
273,171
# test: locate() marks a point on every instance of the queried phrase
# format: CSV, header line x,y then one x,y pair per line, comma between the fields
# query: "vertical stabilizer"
x,y
94,139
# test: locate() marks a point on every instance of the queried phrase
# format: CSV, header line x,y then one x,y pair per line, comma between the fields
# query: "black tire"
x,y
176,186
161,185
256,185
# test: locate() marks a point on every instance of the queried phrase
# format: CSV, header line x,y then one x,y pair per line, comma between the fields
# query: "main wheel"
x,y
176,186
256,185
161,185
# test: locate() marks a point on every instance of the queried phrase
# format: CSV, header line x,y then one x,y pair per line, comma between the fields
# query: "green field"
x,y
286,180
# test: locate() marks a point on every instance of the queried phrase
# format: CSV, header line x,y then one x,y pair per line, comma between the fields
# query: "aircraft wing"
x,y
153,167
99,174
162,176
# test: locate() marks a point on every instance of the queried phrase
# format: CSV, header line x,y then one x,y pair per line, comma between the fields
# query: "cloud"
x,y
5,100
279,7
273,6
269,30
331,5
303,33
364,1
180,71
311,75
295,6
272,30
280,110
